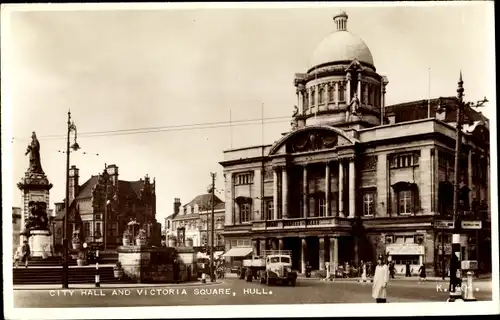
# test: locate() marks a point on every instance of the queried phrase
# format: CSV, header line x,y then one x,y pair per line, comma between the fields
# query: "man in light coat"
x,y
380,279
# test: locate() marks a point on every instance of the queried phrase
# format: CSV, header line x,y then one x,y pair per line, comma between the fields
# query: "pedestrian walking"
x,y
26,253
392,269
408,273
422,272
18,256
455,279
380,279
175,270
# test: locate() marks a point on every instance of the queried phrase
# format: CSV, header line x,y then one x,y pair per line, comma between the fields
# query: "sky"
x,y
129,69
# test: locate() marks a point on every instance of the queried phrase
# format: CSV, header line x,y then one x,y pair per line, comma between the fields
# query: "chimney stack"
x,y
73,182
177,205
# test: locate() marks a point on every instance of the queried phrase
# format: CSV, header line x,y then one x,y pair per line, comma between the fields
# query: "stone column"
x,y
334,252
284,195
255,246
426,171
348,93
341,189
382,106
321,253
360,97
274,244
305,192
262,245
352,189
336,96
300,101
229,200
303,253
436,181
309,100
257,190
275,193
280,243
381,205
469,177
327,189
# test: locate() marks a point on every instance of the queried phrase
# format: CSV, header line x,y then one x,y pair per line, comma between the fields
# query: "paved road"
x,y
236,292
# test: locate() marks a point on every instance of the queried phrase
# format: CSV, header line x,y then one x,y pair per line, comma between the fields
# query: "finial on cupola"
x,y
341,21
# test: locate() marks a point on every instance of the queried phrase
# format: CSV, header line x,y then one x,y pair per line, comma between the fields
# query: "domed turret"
x,y
341,46
341,86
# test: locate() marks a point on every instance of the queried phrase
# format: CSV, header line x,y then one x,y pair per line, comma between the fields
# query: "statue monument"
x,y
35,187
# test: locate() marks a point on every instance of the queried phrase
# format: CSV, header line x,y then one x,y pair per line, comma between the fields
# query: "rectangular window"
x,y
86,228
245,211
244,178
369,204
321,93
98,230
269,210
322,207
405,202
404,160
313,98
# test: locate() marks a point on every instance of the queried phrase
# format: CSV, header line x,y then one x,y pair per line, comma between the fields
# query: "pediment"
x,y
311,139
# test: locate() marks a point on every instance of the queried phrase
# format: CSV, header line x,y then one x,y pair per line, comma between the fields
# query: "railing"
x,y
300,223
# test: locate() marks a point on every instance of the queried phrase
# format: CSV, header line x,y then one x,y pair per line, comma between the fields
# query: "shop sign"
x,y
471,224
405,249
444,224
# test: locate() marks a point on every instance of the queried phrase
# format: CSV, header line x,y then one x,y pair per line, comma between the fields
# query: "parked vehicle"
x,y
273,267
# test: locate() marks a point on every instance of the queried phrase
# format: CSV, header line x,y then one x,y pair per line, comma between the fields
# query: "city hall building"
x,y
354,178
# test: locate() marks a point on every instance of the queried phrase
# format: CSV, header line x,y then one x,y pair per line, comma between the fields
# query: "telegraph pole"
x,y
212,231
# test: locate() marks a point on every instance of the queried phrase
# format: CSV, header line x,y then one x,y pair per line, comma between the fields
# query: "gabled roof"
x,y
86,188
205,200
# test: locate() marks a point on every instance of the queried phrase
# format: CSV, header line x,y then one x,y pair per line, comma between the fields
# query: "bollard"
x,y
97,279
327,267
469,291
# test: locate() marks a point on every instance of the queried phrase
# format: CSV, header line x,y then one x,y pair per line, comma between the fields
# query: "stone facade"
x,y
355,178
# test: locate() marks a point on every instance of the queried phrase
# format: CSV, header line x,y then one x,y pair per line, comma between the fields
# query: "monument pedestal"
x,y
40,243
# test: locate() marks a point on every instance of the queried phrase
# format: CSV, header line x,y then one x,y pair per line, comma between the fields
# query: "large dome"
x,y
341,45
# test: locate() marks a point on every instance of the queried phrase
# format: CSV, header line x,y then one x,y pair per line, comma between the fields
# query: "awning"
x,y
238,252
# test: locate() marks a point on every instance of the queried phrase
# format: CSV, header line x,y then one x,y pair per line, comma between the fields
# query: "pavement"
x,y
231,291
111,285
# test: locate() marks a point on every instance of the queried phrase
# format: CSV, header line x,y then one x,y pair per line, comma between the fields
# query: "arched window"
x,y
342,89
313,98
321,93
305,100
331,90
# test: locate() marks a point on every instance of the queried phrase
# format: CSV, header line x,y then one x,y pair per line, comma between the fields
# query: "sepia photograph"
x,y
249,159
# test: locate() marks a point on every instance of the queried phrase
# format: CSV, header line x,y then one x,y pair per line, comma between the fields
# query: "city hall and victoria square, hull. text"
x,y
355,178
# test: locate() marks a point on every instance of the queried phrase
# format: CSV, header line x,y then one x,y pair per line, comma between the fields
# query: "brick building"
x,y
193,220
127,200
354,178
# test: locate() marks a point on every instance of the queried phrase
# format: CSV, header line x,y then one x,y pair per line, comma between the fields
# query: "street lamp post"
x,y
75,147
461,108
212,231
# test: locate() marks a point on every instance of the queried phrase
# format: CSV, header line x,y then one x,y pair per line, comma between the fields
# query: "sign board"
x,y
469,265
444,224
471,224
405,249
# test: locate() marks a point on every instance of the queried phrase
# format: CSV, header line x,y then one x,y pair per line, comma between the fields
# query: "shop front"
x,y
401,254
